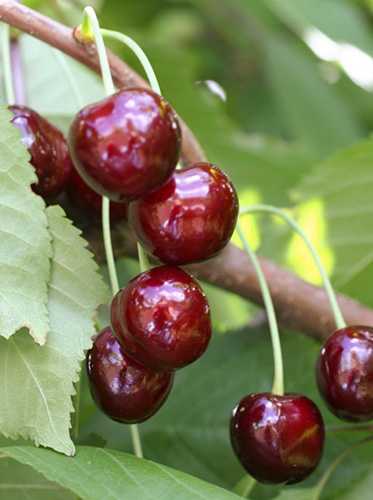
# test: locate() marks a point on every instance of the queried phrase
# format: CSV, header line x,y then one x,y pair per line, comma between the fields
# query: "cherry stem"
x,y
329,471
349,428
278,381
61,59
8,76
142,57
244,486
338,318
91,28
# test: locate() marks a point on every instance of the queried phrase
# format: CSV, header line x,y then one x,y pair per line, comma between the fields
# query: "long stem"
x,y
139,53
340,322
89,14
321,484
244,487
278,381
7,67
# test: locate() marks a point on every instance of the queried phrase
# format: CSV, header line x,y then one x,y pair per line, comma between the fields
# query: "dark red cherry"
x,y
122,388
189,219
162,318
127,144
344,373
48,149
90,202
278,439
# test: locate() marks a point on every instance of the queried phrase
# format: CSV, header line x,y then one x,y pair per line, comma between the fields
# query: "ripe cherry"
x,y
127,144
344,373
90,202
278,439
189,219
162,318
48,149
122,388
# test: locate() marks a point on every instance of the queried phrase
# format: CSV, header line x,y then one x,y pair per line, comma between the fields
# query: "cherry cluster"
x,y
126,147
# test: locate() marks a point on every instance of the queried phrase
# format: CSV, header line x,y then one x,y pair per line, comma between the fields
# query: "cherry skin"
x,y
344,373
189,219
278,439
162,318
127,144
122,388
48,149
88,201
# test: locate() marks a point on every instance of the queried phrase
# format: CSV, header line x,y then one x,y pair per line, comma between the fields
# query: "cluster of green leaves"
x,y
293,132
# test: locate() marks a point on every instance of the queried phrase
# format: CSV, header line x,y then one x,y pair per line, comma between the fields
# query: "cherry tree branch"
x,y
299,305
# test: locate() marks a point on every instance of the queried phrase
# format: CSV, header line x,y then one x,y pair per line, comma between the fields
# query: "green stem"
x,y
244,487
349,428
7,66
278,381
139,53
340,322
61,59
90,15
325,478
101,50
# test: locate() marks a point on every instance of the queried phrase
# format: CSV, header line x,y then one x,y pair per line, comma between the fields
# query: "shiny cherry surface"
x,y
344,373
127,144
162,318
90,202
48,149
189,219
122,388
278,439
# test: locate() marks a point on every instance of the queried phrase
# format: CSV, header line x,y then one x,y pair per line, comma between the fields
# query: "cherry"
x,y
90,202
344,373
278,439
127,144
48,149
122,388
189,219
162,318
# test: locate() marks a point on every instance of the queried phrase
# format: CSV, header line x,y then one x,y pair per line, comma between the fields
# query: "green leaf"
x,y
25,247
21,482
37,382
337,207
341,21
95,473
313,111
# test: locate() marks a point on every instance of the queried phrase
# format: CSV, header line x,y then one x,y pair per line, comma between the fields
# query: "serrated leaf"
x,y
37,382
25,247
94,474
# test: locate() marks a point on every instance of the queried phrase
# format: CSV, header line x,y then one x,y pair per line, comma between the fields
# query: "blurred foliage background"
x,y
279,94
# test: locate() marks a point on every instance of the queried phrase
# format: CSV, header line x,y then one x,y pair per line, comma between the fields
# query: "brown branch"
x,y
299,305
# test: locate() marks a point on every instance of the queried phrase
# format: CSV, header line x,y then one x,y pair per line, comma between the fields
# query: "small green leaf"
x,y
25,247
96,474
37,382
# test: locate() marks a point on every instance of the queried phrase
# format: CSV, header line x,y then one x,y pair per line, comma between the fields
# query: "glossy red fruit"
x,y
127,144
48,149
278,439
344,373
189,219
162,318
122,388
90,202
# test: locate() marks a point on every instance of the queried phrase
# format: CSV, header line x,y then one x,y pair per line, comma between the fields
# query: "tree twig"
x,y
299,305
